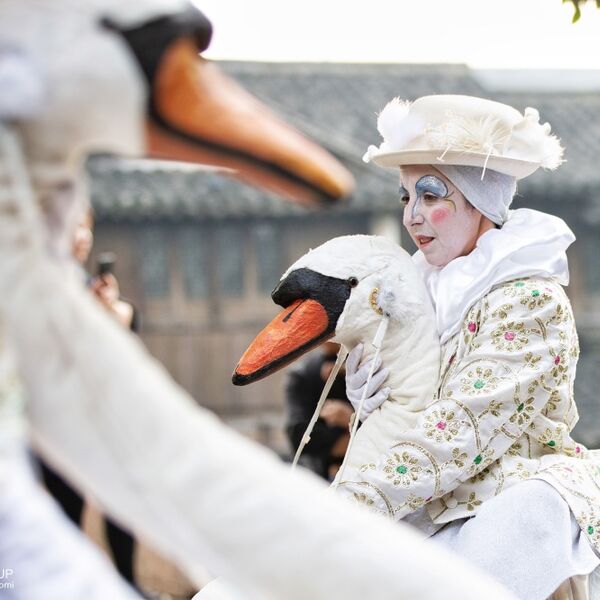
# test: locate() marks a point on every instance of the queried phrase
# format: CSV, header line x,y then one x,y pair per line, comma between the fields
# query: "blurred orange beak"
x,y
199,115
312,305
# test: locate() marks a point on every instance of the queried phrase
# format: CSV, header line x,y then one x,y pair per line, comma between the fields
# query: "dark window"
x,y
154,260
192,245
229,259
267,241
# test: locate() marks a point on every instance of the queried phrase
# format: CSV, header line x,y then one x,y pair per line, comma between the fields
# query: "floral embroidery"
x,y
415,502
561,315
590,523
531,360
560,369
536,299
524,412
441,425
514,289
515,449
551,439
569,473
521,472
362,498
459,458
479,381
494,408
473,502
510,336
402,469
481,476
508,385
481,461
502,312
575,451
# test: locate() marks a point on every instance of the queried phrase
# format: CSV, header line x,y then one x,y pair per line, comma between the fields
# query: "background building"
x,y
199,253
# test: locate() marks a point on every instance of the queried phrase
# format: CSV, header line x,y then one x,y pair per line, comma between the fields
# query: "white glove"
x,y
356,380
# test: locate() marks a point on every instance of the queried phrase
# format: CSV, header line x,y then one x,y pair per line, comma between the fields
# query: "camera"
x,y
105,263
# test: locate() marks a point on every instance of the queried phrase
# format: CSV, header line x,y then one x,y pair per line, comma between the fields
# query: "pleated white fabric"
x,y
530,243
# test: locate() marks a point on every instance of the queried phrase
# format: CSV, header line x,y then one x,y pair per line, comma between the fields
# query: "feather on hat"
x,y
464,130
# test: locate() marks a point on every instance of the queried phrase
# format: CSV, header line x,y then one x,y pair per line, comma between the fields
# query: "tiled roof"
x,y
336,104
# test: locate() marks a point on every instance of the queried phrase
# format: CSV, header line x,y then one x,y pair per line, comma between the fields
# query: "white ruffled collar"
x,y
529,243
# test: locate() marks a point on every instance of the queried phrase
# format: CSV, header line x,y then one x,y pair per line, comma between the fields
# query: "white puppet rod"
x,y
341,357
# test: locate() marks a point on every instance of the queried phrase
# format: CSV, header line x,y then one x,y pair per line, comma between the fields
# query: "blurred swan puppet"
x,y
125,77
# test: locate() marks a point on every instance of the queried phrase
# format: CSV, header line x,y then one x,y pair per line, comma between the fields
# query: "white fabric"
x,y
19,74
490,192
526,538
46,555
530,243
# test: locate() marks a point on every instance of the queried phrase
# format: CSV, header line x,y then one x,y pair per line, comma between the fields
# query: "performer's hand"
x,y
356,380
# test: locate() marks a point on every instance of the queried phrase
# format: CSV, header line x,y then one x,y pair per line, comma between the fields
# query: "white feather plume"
x,y
532,140
552,153
396,126
466,134
398,299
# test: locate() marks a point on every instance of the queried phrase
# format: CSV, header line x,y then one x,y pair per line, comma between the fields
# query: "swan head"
x,y
338,291
106,76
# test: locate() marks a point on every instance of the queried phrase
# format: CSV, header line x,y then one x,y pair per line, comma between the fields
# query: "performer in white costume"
x,y
490,469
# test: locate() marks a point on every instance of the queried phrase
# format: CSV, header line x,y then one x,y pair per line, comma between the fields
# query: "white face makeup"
x,y
437,216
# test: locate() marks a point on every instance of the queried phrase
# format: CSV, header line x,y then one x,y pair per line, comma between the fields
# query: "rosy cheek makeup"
x,y
439,216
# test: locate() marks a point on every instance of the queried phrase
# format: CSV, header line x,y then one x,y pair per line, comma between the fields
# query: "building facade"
x,y
198,253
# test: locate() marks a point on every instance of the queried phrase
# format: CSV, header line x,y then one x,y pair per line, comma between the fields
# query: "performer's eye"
x,y
404,195
430,197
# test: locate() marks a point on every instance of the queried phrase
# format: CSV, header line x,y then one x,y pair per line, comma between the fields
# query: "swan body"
x,y
382,279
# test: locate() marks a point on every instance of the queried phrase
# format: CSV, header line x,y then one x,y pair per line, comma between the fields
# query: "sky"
x,y
484,34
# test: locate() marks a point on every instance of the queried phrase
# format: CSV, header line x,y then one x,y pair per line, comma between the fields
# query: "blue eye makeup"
x,y
429,185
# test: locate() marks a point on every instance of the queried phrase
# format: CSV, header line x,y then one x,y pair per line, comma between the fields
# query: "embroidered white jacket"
x,y
502,414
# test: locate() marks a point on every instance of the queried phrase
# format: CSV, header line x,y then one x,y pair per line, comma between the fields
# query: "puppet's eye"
x,y
352,282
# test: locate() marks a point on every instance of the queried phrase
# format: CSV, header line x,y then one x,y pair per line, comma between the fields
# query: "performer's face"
x,y
437,216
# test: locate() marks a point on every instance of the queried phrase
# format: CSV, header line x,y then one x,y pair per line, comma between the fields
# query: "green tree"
x,y
577,4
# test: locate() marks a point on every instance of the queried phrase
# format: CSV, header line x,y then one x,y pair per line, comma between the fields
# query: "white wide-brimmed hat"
x,y
464,130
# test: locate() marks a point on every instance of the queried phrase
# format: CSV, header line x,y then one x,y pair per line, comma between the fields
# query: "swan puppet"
x,y
355,289
125,77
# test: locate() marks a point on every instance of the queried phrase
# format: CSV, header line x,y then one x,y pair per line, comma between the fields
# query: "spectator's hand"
x,y
356,380
336,413
106,288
